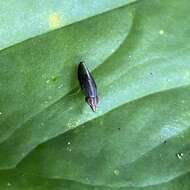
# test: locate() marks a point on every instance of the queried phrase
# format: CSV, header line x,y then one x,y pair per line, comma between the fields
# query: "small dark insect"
x,y
88,86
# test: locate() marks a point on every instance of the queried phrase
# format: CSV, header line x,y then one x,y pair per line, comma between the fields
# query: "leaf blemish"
x,y
54,21
48,81
61,86
116,172
161,32
41,124
69,149
51,80
72,123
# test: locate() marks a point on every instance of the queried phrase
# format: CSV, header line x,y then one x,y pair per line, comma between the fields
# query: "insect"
x,y
88,86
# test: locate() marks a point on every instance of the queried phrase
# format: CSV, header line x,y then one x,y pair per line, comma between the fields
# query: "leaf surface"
x,y
139,136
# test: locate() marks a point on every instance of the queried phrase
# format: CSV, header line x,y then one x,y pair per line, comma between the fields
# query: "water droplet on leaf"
x,y
161,32
69,149
48,81
60,86
116,172
51,80
179,155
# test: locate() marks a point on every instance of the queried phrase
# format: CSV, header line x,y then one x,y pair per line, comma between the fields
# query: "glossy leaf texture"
x,y
21,20
139,138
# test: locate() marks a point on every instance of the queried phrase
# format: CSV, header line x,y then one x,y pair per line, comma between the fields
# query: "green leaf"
x,y
13,180
139,136
21,20
42,73
136,149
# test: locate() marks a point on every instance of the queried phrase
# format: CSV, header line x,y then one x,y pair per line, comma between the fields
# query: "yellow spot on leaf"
x,y
54,21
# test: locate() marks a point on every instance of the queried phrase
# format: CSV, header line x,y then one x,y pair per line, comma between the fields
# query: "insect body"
x,y
88,86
